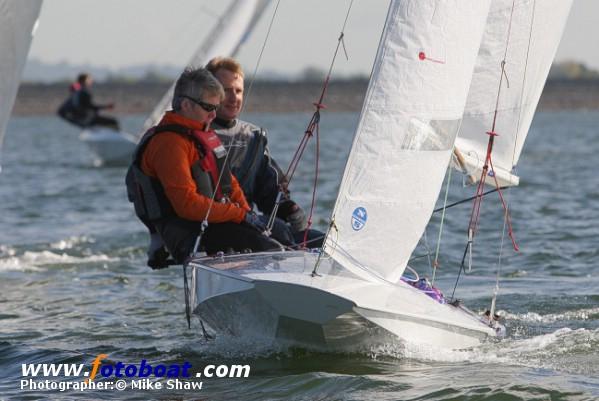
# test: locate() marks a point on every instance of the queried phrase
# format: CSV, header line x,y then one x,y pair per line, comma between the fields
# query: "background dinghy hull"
x,y
110,148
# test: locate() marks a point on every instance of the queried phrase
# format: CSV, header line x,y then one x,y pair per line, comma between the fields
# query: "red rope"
x,y
476,207
505,209
313,126
313,204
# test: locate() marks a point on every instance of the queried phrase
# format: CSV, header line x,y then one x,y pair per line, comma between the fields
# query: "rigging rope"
x,y
251,85
465,200
444,208
204,223
505,221
476,207
313,128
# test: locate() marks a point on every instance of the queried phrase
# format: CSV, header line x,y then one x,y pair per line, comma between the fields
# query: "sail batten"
x,y
18,20
525,35
410,119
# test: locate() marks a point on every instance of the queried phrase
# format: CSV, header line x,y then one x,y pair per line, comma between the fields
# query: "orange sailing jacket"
x,y
169,157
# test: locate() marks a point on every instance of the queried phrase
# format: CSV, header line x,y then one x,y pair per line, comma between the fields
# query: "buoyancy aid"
x,y
246,144
251,163
148,195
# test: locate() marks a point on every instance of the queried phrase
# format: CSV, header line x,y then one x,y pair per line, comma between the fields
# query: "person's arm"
x,y
267,177
237,195
170,156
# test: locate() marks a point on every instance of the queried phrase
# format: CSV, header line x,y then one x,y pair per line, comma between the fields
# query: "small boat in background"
x,y
110,147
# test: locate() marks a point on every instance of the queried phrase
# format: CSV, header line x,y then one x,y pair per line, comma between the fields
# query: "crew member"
x,y
258,173
79,108
179,178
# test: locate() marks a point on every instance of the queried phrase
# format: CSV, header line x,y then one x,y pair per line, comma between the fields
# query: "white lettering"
x,y
51,369
146,384
208,370
176,384
30,369
239,371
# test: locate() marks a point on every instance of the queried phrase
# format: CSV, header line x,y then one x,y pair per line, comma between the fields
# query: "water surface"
x,y
73,281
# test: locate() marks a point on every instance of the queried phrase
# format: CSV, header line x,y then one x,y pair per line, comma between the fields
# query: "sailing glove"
x,y
254,221
293,214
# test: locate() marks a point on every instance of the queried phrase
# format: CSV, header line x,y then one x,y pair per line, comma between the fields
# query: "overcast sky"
x,y
119,33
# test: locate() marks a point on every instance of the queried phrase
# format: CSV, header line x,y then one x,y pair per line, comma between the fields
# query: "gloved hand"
x,y
254,221
293,214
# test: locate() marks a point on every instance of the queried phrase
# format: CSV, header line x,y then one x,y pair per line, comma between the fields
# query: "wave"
x,y
40,261
71,242
532,317
564,350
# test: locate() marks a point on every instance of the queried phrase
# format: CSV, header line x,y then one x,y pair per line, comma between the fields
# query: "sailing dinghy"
x,y
115,148
18,22
353,294
436,77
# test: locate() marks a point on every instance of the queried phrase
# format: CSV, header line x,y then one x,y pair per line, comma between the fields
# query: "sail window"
x,y
430,135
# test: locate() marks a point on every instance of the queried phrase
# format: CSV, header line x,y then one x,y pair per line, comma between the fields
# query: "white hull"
x,y
110,148
275,297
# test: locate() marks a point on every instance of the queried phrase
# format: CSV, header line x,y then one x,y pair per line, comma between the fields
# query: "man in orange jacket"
x,y
180,178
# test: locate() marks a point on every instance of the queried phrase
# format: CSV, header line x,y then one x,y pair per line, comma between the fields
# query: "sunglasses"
x,y
209,107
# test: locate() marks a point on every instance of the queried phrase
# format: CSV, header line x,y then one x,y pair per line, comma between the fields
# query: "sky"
x,y
121,33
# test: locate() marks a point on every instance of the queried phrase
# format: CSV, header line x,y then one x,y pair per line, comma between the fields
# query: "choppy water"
x,y
74,282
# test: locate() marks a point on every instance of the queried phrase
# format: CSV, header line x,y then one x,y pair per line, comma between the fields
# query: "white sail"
x,y
409,122
231,29
526,33
17,24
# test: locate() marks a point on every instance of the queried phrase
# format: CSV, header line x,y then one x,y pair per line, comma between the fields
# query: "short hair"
x,y
224,63
195,82
81,78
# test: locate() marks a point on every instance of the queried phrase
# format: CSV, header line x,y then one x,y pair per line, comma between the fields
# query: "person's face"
x,y
233,85
200,110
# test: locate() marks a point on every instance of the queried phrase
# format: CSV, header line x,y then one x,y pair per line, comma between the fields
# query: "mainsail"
x,y
525,34
408,125
231,29
17,25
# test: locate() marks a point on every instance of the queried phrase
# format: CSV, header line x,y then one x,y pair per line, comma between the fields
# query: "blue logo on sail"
x,y
358,218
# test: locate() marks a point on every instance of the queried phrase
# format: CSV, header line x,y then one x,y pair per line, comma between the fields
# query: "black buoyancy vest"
x,y
147,193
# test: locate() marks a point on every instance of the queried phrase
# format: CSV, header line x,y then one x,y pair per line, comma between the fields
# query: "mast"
x,y
409,121
18,20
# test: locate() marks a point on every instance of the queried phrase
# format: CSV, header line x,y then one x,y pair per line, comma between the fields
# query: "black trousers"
x,y
180,235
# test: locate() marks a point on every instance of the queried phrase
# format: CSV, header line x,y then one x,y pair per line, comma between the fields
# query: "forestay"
x,y
17,22
408,125
526,33
231,29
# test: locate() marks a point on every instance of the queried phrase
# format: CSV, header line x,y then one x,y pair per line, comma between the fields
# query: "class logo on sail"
x,y
358,218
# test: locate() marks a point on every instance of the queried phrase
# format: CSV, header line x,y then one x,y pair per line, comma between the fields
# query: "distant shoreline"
x,y
275,97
